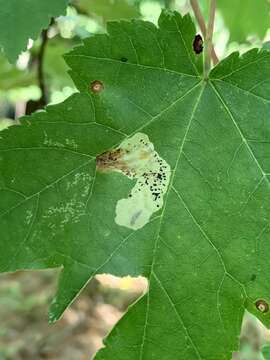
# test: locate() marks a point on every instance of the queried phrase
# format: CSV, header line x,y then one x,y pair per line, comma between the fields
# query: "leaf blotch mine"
x,y
137,159
96,86
262,306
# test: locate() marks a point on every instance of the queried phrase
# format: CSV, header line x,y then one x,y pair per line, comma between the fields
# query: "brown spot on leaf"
x,y
262,306
198,44
111,160
96,86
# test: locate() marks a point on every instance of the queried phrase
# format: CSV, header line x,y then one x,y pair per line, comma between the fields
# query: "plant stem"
x,y
208,38
33,105
40,58
199,17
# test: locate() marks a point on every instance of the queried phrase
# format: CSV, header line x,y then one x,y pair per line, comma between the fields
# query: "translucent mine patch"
x,y
137,159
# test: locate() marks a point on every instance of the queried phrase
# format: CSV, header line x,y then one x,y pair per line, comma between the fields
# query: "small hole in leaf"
x,y
262,306
198,44
124,59
96,86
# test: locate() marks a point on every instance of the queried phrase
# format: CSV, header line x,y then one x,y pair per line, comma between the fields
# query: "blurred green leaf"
x,y
243,18
266,351
110,9
55,68
21,20
11,77
266,45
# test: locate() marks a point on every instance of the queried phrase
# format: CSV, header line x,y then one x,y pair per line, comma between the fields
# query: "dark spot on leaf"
x,y
198,44
96,86
253,277
124,59
111,161
262,306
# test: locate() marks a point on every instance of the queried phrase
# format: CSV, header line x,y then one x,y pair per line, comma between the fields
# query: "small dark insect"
x,y
124,59
198,44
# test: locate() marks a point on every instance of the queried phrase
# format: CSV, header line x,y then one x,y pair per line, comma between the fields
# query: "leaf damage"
x,y
137,159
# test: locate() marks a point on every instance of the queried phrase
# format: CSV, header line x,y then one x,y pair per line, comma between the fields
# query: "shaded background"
x,y
40,77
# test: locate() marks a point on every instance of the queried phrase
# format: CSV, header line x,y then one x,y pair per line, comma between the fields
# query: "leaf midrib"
x,y
133,64
171,186
92,158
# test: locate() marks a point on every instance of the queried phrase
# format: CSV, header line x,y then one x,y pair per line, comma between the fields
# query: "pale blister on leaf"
x,y
135,157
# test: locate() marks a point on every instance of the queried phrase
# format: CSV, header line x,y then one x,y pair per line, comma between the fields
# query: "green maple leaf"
x,y
21,20
150,170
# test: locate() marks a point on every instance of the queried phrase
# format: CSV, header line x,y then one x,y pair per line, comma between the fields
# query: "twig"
x,y
40,61
199,17
33,105
208,38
